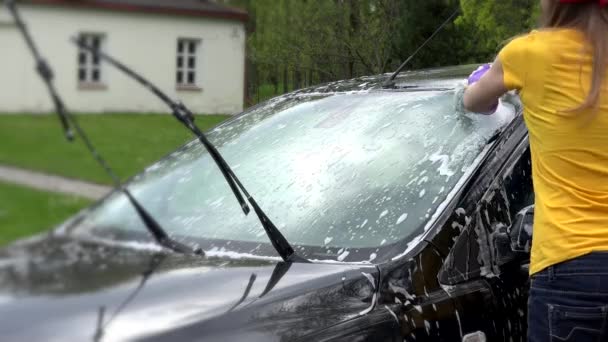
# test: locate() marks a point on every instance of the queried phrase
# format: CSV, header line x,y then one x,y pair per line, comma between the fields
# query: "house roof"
x,y
197,8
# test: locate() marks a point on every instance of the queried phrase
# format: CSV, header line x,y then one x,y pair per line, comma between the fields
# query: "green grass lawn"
x,y
24,212
129,142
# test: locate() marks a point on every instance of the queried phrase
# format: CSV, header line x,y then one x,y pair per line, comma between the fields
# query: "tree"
x,y
490,24
295,43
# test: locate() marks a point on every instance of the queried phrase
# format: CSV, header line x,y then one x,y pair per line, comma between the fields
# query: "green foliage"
x,y
295,43
492,23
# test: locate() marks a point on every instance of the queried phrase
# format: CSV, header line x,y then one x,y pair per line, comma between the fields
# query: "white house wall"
x,y
146,42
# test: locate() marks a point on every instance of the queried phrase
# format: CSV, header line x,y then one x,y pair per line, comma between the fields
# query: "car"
x,y
411,223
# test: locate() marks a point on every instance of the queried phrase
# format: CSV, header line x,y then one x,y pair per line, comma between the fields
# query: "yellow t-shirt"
x,y
552,70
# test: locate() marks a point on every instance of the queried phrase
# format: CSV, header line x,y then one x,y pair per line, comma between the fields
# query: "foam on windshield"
x,y
345,171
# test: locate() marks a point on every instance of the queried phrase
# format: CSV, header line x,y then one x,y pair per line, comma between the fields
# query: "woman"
x,y
560,73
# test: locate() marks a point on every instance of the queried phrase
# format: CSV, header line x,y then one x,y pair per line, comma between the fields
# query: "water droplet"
x,y
343,256
401,218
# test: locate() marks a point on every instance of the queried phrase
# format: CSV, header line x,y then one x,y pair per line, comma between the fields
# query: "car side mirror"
x,y
521,231
513,243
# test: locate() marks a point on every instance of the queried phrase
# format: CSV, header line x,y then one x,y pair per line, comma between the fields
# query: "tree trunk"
x,y
297,79
285,80
309,79
251,80
275,80
352,32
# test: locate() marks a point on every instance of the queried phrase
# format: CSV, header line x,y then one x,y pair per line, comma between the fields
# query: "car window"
x,y
348,170
473,254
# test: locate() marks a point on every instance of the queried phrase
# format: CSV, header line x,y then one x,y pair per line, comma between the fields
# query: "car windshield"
x,y
344,170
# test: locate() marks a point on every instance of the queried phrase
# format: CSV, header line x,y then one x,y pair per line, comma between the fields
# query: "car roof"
x,y
444,77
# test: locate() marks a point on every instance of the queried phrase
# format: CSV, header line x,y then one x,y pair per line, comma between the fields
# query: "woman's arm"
x,y
482,96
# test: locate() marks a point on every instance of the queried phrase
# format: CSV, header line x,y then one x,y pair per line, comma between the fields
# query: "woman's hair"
x,y
592,20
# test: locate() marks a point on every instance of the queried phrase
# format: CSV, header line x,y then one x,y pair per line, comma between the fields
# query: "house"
x,y
194,50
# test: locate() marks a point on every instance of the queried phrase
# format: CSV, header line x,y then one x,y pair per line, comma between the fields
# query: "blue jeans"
x,y
569,301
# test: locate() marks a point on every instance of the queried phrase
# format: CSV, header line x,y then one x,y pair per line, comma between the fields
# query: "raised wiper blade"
x,y
186,117
180,112
43,69
67,120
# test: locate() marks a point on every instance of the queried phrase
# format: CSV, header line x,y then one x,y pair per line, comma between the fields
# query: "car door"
x,y
490,294
511,193
442,292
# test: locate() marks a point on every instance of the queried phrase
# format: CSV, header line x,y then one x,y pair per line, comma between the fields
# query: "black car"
x,y
411,223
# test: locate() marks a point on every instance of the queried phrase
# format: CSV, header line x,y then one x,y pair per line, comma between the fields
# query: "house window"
x,y
89,66
187,50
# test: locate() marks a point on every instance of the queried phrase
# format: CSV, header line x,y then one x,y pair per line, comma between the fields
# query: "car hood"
x,y
61,289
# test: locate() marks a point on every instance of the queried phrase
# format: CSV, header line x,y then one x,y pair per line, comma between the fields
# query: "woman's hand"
x,y
486,86
476,75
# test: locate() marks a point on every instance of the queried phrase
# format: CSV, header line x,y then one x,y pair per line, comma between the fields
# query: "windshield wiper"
x,y
186,117
43,69
67,120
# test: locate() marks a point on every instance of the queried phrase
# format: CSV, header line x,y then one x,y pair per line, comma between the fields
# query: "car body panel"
x,y
435,304
143,293
66,286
